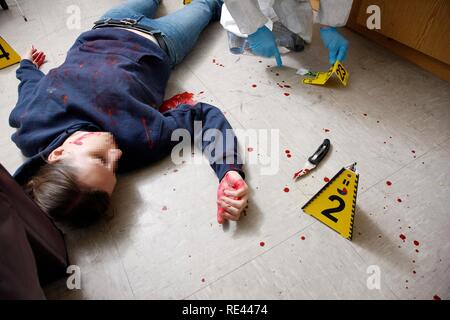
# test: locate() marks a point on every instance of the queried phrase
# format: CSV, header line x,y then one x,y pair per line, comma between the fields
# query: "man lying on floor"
x,y
98,112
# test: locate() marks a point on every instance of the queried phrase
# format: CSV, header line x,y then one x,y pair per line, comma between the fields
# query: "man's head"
x,y
78,179
94,155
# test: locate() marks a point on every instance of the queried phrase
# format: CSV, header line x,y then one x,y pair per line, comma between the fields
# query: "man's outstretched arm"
x,y
219,143
29,73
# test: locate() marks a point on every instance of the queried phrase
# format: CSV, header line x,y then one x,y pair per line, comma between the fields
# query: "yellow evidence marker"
x,y
7,54
186,1
322,77
334,205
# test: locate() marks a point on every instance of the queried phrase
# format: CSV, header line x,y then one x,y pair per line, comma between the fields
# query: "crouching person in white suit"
x,y
251,17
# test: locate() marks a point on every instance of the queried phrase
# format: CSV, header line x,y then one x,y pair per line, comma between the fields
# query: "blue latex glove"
x,y
336,44
262,42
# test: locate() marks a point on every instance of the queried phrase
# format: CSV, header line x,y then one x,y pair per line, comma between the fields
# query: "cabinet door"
x,y
420,24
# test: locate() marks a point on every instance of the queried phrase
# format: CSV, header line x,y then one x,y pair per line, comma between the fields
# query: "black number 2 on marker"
x,y
328,212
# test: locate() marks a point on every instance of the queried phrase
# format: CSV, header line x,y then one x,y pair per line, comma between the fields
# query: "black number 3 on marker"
x,y
341,72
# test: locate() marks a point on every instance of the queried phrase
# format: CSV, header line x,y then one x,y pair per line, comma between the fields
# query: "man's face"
x,y
94,155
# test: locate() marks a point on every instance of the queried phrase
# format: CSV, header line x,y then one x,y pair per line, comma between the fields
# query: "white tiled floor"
x,y
145,252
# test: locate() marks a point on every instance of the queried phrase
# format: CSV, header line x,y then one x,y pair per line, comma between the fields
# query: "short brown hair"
x,y
56,190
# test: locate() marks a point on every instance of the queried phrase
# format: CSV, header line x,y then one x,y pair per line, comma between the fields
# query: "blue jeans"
x,y
180,30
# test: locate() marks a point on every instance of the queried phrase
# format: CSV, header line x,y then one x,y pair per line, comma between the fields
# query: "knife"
x,y
314,160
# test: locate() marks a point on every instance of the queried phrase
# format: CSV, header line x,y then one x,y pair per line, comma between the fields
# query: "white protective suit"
x,y
296,15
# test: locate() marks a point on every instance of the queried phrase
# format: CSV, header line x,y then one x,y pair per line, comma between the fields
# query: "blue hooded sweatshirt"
x,y
112,80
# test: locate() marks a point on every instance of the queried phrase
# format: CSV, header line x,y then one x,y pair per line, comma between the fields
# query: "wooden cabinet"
x,y
419,30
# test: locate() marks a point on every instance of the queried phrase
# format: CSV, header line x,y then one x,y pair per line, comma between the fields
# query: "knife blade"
x,y
314,160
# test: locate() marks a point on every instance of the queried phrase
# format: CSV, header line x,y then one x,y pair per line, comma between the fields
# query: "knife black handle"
x,y
320,153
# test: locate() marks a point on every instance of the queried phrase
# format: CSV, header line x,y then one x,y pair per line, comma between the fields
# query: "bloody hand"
x,y
35,56
232,197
